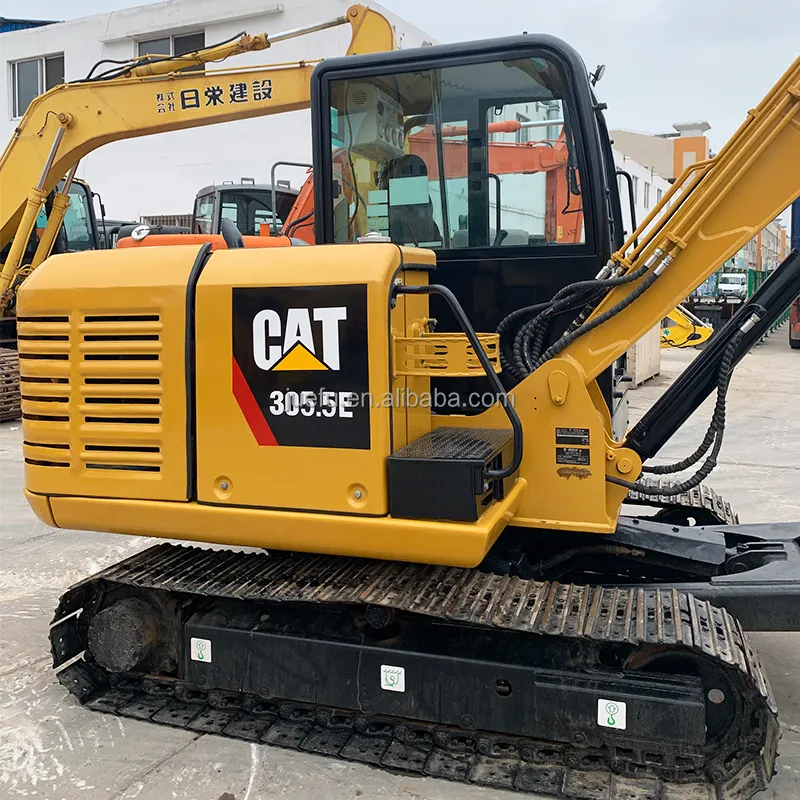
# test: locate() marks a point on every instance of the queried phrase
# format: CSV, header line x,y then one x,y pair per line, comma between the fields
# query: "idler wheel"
x,y
124,634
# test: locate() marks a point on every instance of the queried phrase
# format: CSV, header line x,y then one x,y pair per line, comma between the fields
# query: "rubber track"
x,y
700,497
614,615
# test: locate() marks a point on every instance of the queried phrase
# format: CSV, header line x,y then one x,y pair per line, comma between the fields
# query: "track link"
x,y
635,618
702,498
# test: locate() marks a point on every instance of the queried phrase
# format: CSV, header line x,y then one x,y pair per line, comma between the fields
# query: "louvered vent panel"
x,y
121,392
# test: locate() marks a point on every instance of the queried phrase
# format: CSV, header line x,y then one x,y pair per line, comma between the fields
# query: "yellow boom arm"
x,y
71,120
681,328
711,211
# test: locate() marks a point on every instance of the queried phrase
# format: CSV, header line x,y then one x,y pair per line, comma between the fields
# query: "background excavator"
x,y
681,328
451,587
40,162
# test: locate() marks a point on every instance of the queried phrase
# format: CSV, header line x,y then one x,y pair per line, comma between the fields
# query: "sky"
x,y
667,60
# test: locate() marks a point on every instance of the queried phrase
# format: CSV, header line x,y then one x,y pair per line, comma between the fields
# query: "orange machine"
x,y
564,217
217,240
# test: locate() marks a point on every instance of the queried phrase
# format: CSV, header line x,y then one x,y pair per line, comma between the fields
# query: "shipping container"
x,y
7,25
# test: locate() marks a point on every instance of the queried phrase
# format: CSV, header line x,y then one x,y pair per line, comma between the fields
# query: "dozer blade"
x,y
577,691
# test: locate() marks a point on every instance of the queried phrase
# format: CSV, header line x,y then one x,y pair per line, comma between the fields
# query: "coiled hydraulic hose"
x,y
714,433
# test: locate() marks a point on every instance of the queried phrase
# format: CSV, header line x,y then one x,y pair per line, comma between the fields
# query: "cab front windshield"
x,y
251,209
78,225
78,219
479,155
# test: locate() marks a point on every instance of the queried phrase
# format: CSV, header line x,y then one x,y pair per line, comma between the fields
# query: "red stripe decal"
x,y
252,413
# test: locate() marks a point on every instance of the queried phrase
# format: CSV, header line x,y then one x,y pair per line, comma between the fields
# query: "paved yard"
x,y
51,748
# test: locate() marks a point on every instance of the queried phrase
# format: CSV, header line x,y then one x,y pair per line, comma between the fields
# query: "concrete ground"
x,y
52,748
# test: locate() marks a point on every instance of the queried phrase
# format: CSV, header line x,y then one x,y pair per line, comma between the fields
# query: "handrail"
x,y
503,398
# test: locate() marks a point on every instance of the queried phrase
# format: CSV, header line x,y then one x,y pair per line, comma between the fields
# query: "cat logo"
x,y
300,356
308,339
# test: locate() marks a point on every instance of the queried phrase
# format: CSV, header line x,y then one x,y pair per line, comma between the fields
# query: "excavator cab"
x,y
80,230
247,204
498,160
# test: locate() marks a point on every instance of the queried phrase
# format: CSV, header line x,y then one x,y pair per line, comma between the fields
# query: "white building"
x,y
667,155
161,174
648,189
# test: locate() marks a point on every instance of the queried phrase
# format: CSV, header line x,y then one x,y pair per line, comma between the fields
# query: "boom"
x,y
64,124
712,210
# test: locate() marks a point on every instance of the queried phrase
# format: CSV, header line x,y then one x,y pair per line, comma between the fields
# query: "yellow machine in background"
x,y
681,328
450,587
149,95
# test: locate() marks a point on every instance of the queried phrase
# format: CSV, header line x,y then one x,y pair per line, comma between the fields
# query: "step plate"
x,y
469,444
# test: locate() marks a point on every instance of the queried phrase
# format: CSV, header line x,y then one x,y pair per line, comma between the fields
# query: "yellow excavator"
x,y
681,328
412,418
39,163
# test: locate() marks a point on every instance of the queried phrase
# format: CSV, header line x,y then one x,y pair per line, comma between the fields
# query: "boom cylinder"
x,y
54,221
33,205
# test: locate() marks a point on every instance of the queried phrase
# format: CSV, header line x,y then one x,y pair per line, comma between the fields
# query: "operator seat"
x,y
410,222
231,234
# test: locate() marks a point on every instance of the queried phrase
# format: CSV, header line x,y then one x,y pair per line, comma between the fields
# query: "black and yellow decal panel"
x,y
300,371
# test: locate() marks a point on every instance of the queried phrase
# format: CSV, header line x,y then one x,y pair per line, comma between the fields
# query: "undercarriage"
x,y
488,676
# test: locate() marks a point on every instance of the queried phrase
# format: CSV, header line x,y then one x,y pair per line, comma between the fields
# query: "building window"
x,y
32,77
646,194
659,195
523,134
635,189
174,46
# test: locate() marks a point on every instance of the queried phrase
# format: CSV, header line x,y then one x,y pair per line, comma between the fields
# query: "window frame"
x,y
171,37
41,79
588,157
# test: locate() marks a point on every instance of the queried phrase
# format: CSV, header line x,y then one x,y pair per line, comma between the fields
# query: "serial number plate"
x,y
572,455
572,436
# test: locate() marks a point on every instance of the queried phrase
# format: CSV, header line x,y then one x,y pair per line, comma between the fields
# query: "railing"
x,y
783,318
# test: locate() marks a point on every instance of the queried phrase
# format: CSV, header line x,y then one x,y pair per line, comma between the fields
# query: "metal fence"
x,y
182,220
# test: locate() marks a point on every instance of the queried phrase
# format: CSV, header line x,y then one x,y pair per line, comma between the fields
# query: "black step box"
x,y
441,474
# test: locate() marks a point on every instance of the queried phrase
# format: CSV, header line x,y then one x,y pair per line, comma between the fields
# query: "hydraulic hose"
x,y
713,436
526,353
